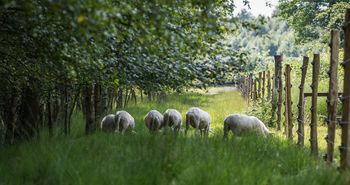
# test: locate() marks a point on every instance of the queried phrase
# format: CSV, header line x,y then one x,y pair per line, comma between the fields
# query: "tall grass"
x,y
142,158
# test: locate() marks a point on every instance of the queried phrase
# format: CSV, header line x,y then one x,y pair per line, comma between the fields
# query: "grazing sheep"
x,y
198,119
239,124
153,120
108,123
124,122
172,119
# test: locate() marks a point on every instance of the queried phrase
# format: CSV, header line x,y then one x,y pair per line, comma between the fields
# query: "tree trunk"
x,y
149,94
105,101
119,100
49,114
65,110
126,97
56,108
97,103
28,123
141,94
72,107
10,116
89,109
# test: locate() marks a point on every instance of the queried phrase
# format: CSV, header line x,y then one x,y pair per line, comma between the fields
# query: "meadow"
x,y
141,158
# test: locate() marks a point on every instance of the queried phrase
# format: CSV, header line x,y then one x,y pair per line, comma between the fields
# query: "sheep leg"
x,y
117,123
123,131
237,131
226,130
198,131
124,127
154,124
176,130
206,132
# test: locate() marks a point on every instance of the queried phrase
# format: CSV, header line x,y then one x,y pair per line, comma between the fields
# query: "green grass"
x,y
144,159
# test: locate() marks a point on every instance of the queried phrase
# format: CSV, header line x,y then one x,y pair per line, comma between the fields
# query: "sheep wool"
x,y
153,120
108,123
198,119
173,120
124,122
239,124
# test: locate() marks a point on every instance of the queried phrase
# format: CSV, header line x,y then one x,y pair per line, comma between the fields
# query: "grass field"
x,y
158,159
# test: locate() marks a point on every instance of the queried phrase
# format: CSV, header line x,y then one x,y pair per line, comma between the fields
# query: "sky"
x,y
258,7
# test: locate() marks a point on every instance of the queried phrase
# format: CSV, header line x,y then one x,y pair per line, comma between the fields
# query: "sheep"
x,y
239,124
198,119
153,121
124,122
108,123
172,119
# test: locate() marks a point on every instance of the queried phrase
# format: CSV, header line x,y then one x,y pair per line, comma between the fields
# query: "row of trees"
x,y
58,56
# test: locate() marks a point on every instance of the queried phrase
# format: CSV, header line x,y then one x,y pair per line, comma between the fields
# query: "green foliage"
x,y
155,45
130,159
312,20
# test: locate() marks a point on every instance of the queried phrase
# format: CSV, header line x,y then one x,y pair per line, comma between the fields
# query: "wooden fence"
x,y
256,87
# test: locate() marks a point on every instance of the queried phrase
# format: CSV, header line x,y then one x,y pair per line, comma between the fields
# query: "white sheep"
x,y
239,124
124,122
153,120
108,123
173,120
198,119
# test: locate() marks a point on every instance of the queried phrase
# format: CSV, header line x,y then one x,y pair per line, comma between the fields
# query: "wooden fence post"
x,y
332,98
241,85
251,83
259,85
255,89
263,85
246,87
277,93
279,59
345,140
272,89
301,104
314,87
288,106
268,85
285,122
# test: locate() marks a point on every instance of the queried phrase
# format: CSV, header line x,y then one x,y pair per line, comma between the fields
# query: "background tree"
x,y
311,19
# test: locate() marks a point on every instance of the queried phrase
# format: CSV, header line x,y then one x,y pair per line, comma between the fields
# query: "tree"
x,y
311,19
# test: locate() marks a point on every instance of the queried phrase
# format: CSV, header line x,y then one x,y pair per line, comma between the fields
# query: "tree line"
x,y
92,56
